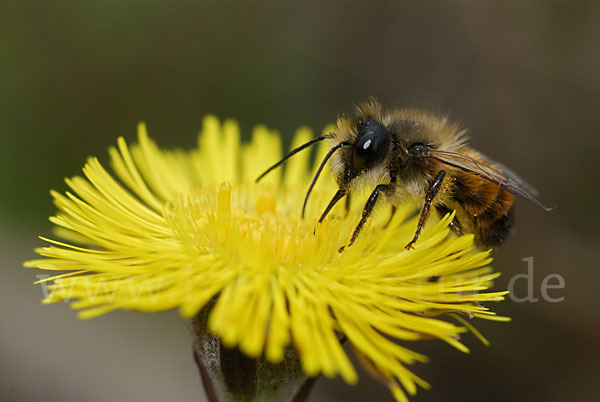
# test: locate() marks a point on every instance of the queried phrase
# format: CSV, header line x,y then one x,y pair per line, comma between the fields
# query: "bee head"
x,y
372,145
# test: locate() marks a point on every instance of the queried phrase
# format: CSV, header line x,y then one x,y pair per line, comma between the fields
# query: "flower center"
x,y
248,226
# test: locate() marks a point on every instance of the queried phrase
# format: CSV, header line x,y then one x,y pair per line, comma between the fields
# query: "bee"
x,y
403,155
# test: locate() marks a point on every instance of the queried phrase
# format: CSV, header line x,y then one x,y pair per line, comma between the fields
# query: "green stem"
x,y
230,376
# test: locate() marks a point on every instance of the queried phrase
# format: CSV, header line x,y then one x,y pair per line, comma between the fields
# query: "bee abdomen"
x,y
495,231
490,210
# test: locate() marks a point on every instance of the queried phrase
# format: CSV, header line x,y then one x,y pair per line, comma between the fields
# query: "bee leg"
x,y
454,223
365,214
338,196
391,216
432,191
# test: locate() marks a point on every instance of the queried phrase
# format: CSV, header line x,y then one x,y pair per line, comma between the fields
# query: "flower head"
x,y
175,229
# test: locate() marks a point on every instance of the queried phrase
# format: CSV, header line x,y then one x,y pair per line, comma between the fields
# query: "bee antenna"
x,y
292,153
320,169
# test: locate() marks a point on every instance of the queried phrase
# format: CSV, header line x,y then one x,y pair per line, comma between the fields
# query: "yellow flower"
x,y
175,229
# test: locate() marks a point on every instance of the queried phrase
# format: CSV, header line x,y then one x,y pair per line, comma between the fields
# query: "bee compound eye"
x,y
370,147
366,144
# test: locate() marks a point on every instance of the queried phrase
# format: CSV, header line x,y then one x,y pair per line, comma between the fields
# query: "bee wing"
x,y
492,171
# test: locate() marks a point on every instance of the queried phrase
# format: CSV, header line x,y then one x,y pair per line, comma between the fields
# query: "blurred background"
x,y
524,77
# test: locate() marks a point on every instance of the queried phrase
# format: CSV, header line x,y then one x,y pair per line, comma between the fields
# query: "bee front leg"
x,y
366,213
338,196
434,188
369,208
